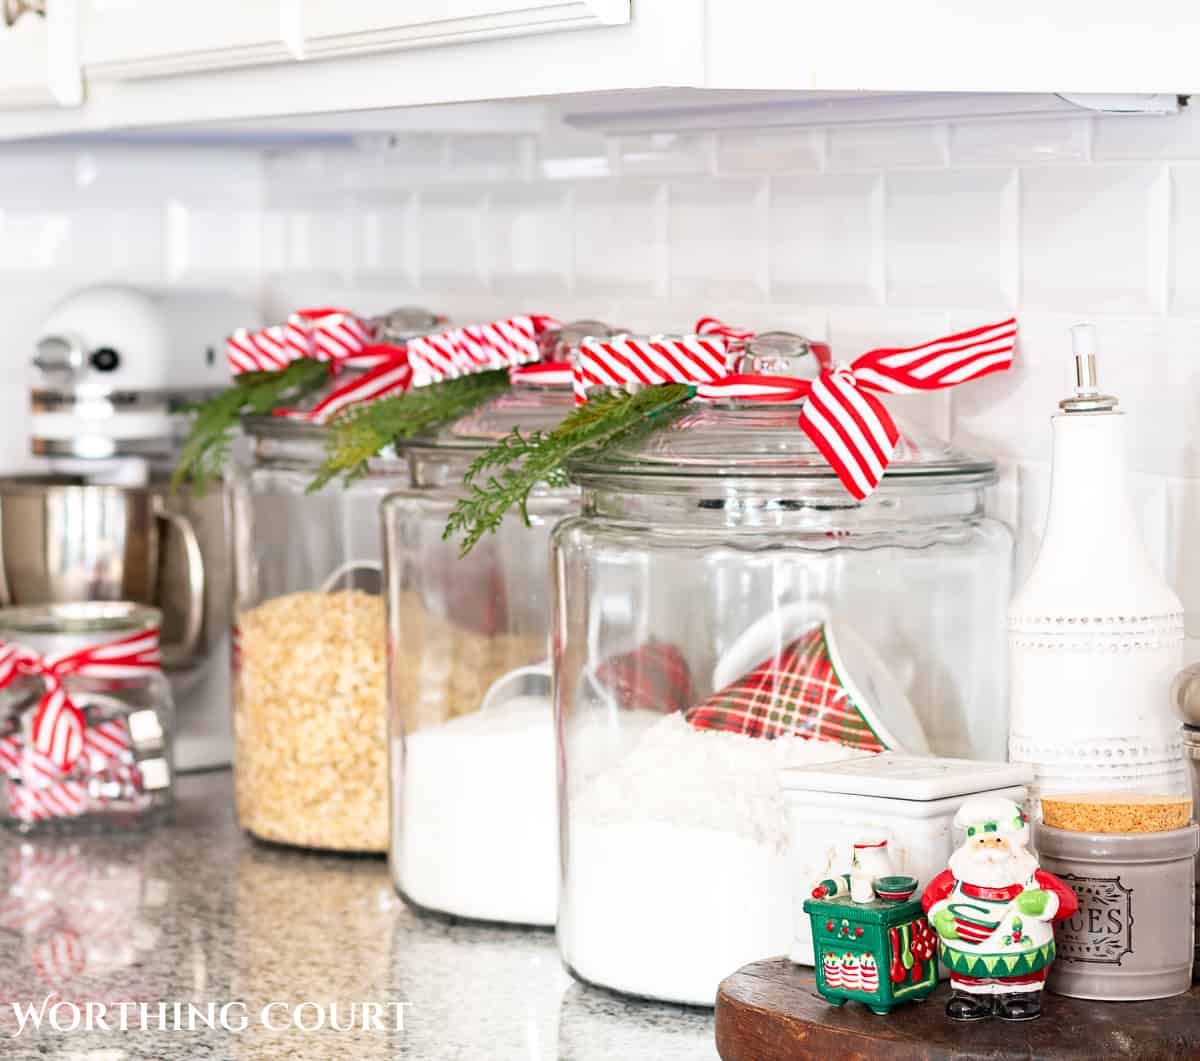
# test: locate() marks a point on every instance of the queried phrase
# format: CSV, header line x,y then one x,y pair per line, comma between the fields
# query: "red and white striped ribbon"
x,y
476,348
847,423
326,334
542,374
716,326
58,728
624,359
63,799
60,958
392,374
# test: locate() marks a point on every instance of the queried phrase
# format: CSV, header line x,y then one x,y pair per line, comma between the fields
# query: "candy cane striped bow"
x,y
58,730
477,348
327,334
850,427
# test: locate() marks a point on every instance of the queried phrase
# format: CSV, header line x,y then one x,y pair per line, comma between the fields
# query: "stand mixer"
x,y
112,371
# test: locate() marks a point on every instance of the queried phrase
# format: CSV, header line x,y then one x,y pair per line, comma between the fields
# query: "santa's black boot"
x,y
1019,1005
965,1006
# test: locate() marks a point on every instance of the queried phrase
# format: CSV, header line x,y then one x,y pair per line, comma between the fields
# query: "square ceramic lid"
x,y
895,776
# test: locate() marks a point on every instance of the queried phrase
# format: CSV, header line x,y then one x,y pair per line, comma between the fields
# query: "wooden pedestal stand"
x,y
770,1011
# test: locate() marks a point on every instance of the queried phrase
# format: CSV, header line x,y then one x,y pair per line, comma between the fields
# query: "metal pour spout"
x,y
1086,396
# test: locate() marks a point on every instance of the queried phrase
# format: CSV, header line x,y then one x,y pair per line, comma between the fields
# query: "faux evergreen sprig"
x,y
517,463
364,431
206,449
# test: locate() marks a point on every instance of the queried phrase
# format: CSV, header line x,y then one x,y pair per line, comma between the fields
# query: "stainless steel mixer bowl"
x,y
64,539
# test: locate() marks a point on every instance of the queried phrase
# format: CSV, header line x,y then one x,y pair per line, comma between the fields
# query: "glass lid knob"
x,y
407,322
782,354
562,344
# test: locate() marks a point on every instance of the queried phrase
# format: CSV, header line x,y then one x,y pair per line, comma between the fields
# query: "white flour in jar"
x,y
678,868
477,815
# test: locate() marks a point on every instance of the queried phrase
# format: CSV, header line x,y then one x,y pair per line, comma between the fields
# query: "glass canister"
x,y
721,588
473,814
310,748
86,717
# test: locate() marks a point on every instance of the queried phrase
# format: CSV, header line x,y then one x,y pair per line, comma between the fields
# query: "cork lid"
x,y
1116,812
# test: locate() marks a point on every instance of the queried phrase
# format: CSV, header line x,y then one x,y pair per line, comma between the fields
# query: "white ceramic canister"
x,y
1095,634
908,800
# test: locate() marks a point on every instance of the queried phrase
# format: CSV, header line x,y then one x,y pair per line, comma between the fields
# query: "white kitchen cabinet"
x,y
157,38
360,26
171,62
39,56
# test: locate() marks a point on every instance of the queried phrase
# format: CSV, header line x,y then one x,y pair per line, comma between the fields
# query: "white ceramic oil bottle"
x,y
1095,634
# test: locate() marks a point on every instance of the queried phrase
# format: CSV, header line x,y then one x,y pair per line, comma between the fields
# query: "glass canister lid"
x,y
738,437
55,629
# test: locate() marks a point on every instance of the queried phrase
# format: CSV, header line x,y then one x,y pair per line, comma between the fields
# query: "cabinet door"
x,y
351,26
154,38
39,57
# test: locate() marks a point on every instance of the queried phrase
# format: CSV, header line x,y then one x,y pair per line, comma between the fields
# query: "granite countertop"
x,y
141,926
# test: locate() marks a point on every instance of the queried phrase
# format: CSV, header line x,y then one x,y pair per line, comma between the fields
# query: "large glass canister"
x,y
310,747
724,609
473,817
86,718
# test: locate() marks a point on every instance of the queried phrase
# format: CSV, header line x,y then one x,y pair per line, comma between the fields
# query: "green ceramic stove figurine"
x,y
880,953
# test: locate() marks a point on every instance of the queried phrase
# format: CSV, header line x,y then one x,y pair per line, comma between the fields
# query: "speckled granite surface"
x,y
197,913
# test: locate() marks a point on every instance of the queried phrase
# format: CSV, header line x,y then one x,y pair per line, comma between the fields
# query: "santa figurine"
x,y
993,911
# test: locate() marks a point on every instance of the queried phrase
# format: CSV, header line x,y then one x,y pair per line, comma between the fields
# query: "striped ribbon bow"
x,y
327,334
841,415
58,730
477,348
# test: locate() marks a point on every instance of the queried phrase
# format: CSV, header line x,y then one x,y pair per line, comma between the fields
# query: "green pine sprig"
x,y
364,431
518,463
205,451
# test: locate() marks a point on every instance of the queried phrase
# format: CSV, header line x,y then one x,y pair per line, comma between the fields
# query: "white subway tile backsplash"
x,y
1184,266
1124,136
620,240
205,244
1094,238
716,233
1183,557
888,147
523,245
791,151
665,153
449,239
1020,141
390,240
826,238
951,237
489,157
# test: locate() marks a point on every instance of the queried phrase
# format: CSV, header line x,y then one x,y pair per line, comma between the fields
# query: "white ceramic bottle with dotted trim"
x,y
1095,634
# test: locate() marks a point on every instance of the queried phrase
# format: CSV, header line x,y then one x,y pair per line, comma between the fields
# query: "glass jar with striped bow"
x,y
86,717
799,619
474,829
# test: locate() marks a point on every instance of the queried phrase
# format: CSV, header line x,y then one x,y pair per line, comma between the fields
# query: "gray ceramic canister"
x,y
1132,937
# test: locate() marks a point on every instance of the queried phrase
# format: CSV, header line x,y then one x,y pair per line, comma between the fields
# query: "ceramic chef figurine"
x,y
993,910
